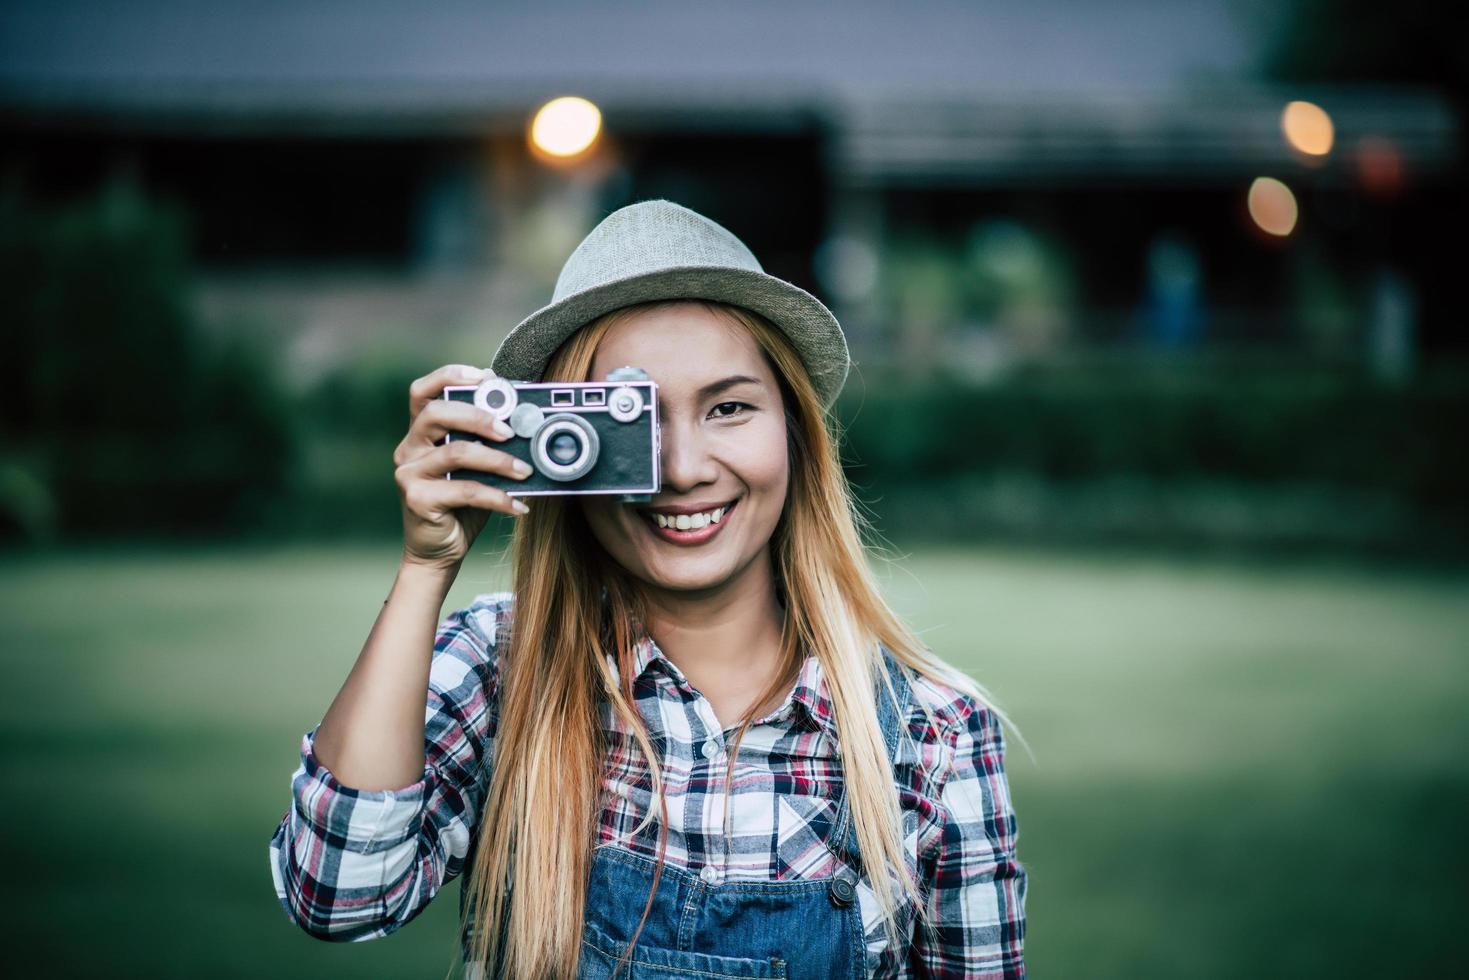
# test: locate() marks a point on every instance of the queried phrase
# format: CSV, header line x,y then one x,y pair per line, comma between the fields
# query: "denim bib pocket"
x,y
600,954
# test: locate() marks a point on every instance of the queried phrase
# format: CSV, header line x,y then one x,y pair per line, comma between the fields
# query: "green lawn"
x,y
1240,770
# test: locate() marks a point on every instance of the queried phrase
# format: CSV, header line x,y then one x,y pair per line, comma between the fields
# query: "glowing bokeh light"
x,y
1273,206
566,126
1307,128
1379,165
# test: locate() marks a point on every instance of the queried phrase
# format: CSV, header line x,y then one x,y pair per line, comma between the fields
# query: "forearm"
x,y
372,736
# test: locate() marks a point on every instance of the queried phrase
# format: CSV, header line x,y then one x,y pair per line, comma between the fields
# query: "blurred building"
x,y
965,183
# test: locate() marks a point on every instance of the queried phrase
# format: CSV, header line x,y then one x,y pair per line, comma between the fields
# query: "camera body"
x,y
578,437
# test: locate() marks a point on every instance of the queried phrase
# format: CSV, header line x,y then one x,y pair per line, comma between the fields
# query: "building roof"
x,y
942,90
345,55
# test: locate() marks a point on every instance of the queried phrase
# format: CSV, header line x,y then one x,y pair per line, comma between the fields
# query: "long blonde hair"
x,y
525,892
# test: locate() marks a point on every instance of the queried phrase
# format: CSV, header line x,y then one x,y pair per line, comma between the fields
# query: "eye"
x,y
732,414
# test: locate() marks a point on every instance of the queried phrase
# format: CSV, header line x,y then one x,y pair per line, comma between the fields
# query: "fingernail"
x,y
522,467
503,431
520,507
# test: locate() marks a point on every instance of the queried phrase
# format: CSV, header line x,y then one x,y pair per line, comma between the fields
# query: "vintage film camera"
x,y
578,437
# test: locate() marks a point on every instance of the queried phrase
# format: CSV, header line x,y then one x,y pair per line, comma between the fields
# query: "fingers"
x,y
431,500
423,458
438,418
431,386
427,494
463,454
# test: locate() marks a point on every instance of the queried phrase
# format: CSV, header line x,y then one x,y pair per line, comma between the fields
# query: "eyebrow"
x,y
733,380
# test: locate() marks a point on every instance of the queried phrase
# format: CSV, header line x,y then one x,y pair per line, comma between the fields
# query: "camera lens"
x,y
565,447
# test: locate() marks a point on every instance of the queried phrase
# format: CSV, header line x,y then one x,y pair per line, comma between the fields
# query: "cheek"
x,y
764,461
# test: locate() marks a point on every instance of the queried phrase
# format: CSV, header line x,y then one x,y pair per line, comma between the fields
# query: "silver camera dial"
x,y
496,396
526,419
625,404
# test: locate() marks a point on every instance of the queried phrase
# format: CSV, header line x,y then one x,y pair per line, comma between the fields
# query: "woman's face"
x,y
723,445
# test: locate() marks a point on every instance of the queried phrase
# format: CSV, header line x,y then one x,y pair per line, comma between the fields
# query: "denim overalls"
x,y
698,930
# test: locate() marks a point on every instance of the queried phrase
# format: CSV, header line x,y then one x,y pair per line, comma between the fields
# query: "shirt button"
x,y
710,874
710,749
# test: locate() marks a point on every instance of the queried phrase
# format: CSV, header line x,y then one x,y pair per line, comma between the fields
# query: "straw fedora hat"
x,y
655,250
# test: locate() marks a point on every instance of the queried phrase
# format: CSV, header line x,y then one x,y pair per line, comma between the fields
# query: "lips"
x,y
691,537
727,507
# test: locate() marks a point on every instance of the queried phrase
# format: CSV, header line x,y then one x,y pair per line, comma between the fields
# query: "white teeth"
x,y
691,522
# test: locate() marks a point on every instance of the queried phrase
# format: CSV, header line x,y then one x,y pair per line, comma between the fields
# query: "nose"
x,y
686,461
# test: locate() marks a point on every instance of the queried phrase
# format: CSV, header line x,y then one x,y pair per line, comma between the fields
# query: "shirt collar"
x,y
811,696
814,697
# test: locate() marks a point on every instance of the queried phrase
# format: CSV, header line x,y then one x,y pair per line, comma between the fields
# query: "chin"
x,y
687,580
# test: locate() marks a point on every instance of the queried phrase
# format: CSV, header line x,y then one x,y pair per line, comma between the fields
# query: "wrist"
x,y
423,577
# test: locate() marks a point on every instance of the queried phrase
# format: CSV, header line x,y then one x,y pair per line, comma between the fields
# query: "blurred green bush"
x,y
1179,451
353,418
1260,451
119,414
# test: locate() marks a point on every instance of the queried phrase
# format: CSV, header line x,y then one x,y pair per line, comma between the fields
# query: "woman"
x,y
711,752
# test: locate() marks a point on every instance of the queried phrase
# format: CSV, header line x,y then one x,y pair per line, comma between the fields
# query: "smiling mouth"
x,y
692,534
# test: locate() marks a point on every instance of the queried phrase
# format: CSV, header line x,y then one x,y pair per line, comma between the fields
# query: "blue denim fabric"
x,y
799,930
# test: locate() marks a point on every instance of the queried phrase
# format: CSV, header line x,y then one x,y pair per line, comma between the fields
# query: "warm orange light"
x,y
1273,206
1307,128
566,126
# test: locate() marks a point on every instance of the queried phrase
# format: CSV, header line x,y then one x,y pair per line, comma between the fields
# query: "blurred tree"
x,y
1329,304
1019,281
923,285
1409,42
113,400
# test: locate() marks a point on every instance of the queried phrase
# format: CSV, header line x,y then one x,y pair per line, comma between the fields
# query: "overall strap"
x,y
892,719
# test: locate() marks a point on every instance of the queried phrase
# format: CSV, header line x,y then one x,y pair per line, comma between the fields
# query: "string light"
x,y
1307,128
1273,206
566,126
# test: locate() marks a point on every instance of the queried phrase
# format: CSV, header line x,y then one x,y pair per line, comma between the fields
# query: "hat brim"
x,y
811,327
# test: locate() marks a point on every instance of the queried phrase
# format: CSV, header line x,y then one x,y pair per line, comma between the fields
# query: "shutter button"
x,y
843,889
710,874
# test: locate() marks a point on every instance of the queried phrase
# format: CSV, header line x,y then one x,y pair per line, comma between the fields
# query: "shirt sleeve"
x,y
352,864
977,902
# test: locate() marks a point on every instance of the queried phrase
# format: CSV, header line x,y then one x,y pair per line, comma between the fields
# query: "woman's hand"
x,y
441,517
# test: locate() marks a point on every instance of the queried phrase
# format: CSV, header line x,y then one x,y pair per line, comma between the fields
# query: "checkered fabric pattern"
x,y
353,864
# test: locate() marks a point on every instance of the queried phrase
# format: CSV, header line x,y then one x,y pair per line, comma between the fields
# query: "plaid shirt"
x,y
353,864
